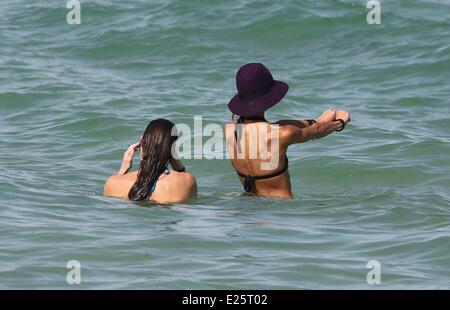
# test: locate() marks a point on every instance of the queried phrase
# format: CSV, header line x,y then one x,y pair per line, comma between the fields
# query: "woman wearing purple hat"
x,y
253,134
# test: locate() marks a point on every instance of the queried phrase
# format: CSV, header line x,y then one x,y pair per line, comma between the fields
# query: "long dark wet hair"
x,y
156,145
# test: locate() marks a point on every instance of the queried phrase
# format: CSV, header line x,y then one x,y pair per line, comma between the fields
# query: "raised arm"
x,y
318,130
327,116
127,161
297,123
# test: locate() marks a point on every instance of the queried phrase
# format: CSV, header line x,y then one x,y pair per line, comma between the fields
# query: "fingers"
x,y
131,149
344,115
331,113
134,146
127,160
128,155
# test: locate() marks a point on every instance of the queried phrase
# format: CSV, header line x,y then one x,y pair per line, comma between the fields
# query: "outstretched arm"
x,y
327,116
316,131
297,123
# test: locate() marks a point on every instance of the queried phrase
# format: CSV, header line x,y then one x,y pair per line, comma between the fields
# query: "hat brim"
x,y
242,107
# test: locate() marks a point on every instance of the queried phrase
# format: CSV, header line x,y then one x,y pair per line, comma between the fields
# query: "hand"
x,y
327,116
127,160
344,115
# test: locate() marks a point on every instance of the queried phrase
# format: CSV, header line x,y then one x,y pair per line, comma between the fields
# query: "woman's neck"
x,y
256,117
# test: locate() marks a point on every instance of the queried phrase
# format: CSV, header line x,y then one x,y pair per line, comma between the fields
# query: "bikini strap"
x,y
166,171
249,180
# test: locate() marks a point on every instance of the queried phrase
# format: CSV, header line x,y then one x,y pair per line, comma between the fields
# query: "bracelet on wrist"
x,y
342,124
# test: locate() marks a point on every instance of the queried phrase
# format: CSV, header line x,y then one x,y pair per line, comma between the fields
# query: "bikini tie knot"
x,y
248,182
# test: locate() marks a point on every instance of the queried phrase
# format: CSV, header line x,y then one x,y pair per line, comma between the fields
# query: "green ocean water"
x,y
73,97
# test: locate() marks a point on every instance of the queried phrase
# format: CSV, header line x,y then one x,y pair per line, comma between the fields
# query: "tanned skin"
x,y
288,132
176,187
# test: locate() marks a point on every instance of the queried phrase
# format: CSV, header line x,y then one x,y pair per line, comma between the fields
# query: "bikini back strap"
x,y
249,180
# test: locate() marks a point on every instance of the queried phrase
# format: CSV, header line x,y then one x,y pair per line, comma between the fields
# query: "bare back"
x,y
175,187
259,151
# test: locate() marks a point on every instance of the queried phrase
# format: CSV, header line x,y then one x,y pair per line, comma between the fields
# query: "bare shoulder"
x,y
119,185
110,184
184,182
287,132
288,129
185,177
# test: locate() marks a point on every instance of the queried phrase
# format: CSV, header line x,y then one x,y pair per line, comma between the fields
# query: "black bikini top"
x,y
249,180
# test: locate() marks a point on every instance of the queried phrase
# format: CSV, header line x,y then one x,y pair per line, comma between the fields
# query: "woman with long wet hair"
x,y
153,180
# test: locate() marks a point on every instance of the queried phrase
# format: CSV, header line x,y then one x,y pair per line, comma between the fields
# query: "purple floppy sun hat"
x,y
257,90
